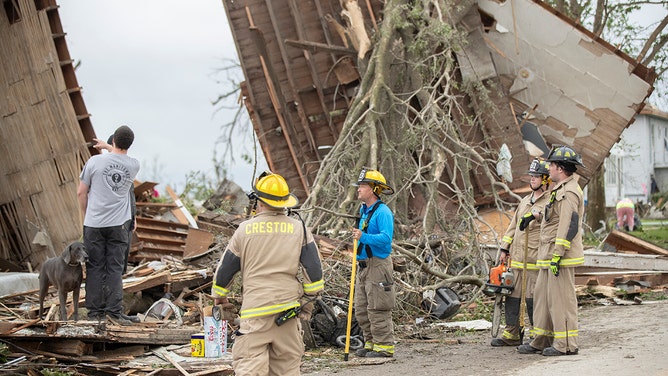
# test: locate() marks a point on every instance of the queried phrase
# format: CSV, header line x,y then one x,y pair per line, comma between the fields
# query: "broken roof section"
x,y
583,91
301,77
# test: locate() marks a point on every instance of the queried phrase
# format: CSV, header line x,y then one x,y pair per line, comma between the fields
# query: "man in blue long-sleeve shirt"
x,y
374,288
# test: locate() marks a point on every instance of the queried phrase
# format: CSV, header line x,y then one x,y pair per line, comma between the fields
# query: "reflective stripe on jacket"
x,y
561,232
278,262
515,239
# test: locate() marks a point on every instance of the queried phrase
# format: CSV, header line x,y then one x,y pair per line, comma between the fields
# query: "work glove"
x,y
526,219
306,308
228,309
554,265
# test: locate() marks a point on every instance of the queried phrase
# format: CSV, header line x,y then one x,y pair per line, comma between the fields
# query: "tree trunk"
x,y
596,199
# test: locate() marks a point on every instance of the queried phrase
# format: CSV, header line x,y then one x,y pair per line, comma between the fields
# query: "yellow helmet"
x,y
272,189
376,180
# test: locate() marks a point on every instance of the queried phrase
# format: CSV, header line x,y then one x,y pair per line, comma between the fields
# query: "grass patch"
x,y
654,235
654,295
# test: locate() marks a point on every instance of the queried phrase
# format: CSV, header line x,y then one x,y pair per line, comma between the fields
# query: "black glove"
x,y
526,219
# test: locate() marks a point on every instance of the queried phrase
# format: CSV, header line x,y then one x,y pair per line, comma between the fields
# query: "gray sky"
x,y
150,64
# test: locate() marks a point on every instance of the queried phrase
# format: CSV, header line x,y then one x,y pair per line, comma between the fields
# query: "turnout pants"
x,y
556,311
263,348
511,333
374,301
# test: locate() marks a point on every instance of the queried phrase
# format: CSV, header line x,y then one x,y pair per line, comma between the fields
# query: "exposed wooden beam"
x,y
626,261
275,22
299,22
276,98
315,46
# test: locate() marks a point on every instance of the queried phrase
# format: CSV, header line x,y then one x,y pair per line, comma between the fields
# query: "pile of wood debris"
x,y
100,347
171,263
173,258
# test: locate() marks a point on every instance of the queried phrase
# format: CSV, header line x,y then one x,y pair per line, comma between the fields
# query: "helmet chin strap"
x,y
541,187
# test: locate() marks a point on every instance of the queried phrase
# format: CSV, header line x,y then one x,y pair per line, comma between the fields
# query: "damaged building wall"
x,y
43,123
299,59
582,91
301,76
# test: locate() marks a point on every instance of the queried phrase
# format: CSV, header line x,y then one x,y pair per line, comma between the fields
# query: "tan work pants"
x,y
374,301
265,348
555,312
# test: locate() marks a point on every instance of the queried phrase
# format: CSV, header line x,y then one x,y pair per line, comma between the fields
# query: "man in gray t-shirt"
x,y
107,217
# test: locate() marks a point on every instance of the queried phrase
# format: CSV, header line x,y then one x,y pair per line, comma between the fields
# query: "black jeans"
x,y
106,249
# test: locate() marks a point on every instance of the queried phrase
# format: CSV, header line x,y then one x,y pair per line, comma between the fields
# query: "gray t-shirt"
x,y
109,177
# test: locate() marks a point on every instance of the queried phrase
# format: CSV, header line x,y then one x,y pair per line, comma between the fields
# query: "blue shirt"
x,y
379,232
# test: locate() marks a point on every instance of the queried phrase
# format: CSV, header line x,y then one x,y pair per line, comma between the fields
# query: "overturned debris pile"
x,y
170,295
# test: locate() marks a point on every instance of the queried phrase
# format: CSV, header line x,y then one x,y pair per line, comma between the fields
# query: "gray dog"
x,y
65,273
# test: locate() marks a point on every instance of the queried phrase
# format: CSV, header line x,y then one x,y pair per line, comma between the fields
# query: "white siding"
x,y
641,152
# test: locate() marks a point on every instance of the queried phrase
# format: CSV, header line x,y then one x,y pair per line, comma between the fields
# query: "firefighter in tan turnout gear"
x,y
515,246
281,275
374,286
555,303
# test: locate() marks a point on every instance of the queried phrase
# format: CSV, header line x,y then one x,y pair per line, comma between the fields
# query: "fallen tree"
x,y
406,122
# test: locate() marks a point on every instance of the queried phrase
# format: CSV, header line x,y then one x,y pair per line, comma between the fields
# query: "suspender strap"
x,y
365,225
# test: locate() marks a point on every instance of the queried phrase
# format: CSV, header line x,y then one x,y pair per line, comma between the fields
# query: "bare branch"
x,y
660,43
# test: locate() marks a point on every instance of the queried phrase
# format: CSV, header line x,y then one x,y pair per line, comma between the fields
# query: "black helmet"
x,y
565,155
539,167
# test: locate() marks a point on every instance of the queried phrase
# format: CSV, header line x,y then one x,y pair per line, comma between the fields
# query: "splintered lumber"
x,y
147,282
121,354
624,242
69,347
155,238
11,327
67,358
597,290
181,212
589,276
329,247
144,190
153,336
627,261
175,363
197,243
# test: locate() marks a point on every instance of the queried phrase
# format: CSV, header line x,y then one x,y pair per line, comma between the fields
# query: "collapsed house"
x,y
301,75
44,127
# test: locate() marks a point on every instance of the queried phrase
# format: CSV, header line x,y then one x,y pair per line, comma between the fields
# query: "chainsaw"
x,y
500,283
